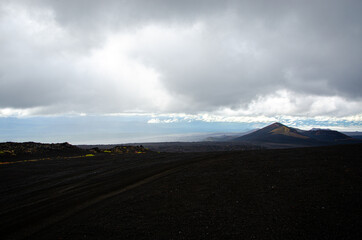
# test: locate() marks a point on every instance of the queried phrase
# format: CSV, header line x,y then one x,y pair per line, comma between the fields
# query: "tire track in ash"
x,y
57,196
82,192
40,193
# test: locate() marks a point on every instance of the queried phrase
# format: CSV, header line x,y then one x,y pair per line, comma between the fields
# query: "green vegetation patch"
x,y
8,152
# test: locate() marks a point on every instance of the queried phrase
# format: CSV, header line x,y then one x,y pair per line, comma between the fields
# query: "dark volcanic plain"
x,y
304,193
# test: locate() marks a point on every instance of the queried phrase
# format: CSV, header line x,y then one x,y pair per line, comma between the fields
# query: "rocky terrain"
x,y
12,152
304,193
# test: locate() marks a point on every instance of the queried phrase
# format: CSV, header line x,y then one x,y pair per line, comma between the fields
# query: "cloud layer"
x,y
234,58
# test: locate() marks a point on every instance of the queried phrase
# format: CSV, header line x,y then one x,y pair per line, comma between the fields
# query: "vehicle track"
x,y
77,196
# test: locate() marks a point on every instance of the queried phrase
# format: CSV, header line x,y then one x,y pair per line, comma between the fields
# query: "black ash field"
x,y
304,193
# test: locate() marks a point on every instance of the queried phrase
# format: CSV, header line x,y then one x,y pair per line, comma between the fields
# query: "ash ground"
x,y
305,193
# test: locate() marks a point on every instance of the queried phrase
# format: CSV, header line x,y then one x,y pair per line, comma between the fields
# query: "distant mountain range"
x,y
278,135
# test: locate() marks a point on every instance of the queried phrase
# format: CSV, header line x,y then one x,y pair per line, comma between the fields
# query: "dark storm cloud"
x,y
255,48
208,55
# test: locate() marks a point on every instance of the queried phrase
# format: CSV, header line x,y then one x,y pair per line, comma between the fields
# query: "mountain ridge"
x,y
277,133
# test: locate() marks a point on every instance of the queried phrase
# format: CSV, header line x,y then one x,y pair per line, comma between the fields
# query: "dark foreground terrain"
x,y
306,193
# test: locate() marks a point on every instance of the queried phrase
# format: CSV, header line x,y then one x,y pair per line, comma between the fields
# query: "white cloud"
x,y
157,120
11,112
289,103
215,62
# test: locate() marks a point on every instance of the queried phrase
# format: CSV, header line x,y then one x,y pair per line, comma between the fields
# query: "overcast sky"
x,y
230,59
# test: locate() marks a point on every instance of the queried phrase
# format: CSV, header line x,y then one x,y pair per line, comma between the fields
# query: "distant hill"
x,y
278,135
356,134
9,150
327,135
352,134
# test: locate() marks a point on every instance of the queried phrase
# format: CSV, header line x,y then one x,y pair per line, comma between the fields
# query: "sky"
x,y
115,71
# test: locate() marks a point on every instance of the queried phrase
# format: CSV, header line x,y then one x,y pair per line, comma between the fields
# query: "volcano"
x,y
279,135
